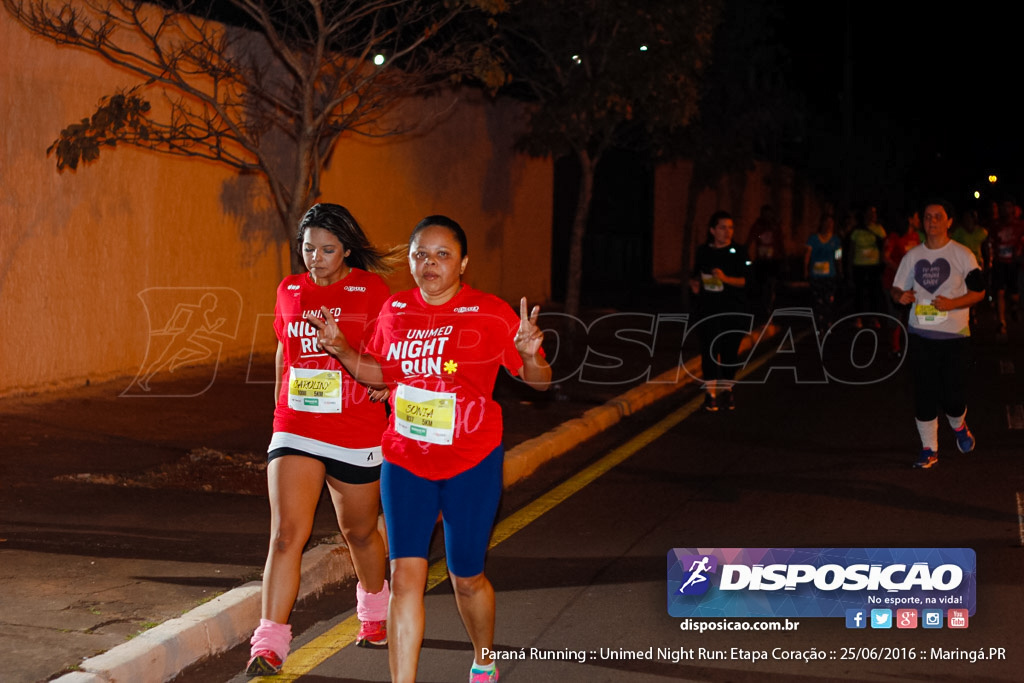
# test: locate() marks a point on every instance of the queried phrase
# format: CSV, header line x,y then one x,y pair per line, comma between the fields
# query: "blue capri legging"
x,y
468,503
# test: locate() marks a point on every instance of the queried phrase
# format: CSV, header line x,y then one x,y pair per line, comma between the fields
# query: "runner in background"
x,y
766,250
438,348
326,428
823,257
940,280
718,277
1006,238
866,240
897,244
972,235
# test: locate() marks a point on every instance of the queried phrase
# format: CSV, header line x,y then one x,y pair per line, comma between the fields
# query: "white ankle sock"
x,y
929,432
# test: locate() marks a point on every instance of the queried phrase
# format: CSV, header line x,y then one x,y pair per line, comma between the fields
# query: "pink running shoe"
x,y
264,663
478,676
373,634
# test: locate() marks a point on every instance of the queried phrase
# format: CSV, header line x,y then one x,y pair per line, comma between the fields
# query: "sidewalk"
x,y
124,519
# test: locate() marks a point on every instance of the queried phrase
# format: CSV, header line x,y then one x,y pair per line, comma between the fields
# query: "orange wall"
x,y
93,261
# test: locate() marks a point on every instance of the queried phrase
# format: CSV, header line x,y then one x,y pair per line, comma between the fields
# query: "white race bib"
x,y
927,314
314,391
425,415
711,283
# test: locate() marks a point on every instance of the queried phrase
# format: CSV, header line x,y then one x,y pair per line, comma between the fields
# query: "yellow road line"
x,y
318,650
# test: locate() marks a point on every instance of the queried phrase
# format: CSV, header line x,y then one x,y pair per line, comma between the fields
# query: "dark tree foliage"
x,y
748,109
605,73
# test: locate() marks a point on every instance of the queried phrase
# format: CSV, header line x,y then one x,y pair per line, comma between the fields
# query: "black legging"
x,y
867,289
722,364
939,368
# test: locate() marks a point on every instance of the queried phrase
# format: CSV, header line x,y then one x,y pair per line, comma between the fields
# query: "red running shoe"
x,y
372,634
264,663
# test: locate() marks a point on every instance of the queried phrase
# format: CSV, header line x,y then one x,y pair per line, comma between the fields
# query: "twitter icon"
x,y
881,618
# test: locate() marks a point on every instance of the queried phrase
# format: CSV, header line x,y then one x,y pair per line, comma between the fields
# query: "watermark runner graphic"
x,y
818,582
187,326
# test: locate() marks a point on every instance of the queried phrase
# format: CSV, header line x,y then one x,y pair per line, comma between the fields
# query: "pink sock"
x,y
372,606
271,636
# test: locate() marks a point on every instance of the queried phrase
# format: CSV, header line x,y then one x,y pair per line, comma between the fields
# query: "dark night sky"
x,y
945,79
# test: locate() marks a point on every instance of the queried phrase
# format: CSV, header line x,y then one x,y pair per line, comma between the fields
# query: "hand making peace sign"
x,y
528,337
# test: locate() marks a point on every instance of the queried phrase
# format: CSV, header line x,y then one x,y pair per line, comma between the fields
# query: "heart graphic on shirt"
x,y
931,275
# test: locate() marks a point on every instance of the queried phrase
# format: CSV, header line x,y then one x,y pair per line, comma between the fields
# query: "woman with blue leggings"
x,y
438,348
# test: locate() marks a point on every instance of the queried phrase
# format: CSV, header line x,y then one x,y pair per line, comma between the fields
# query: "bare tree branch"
x,y
269,92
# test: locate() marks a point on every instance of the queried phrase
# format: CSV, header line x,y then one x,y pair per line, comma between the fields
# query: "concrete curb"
x,y
163,652
525,458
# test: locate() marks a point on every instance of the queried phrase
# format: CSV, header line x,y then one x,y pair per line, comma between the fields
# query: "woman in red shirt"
x,y
438,348
326,429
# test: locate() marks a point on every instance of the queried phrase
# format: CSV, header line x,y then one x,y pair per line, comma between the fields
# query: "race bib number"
x,y
821,268
314,391
868,254
425,415
711,283
927,314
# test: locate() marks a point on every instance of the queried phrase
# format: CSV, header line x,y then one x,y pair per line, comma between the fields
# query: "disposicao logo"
x,y
818,582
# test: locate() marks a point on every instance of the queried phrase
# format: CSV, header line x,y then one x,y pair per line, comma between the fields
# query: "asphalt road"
x,y
122,509
810,459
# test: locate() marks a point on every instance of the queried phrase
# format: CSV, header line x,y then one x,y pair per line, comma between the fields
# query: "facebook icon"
x,y
856,618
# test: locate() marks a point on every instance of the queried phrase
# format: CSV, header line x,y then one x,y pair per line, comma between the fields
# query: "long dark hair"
x,y
337,220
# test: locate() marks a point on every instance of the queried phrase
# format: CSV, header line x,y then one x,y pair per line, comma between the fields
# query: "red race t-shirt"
x,y
441,363
1006,241
310,404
